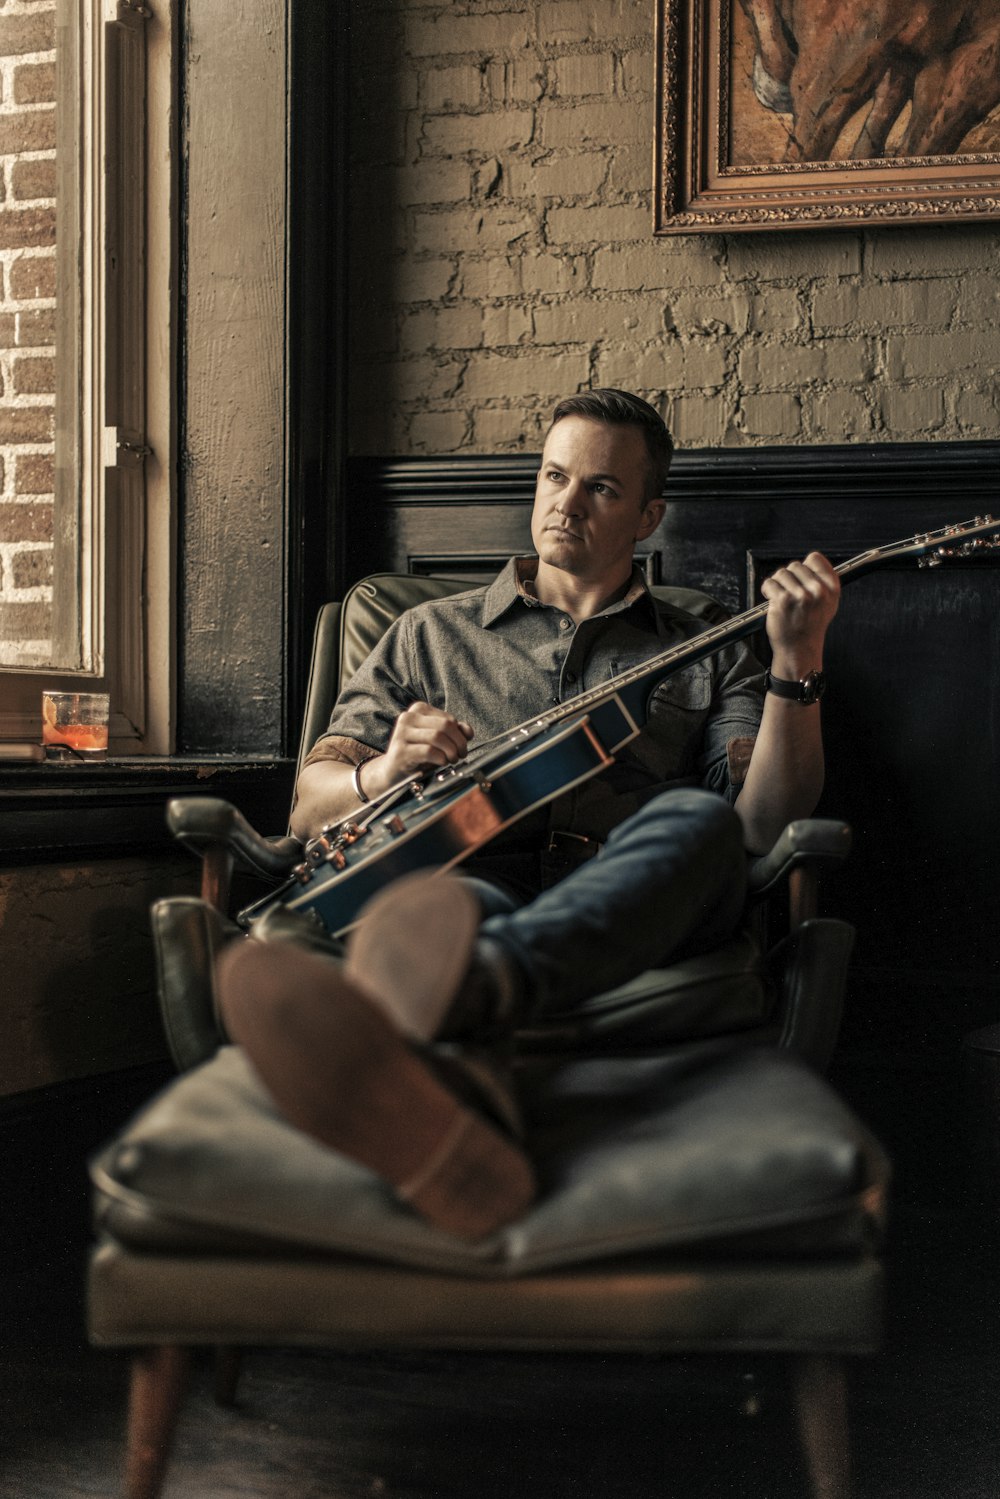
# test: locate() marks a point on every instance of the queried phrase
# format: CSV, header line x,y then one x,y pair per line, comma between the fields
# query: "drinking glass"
x,y
75,725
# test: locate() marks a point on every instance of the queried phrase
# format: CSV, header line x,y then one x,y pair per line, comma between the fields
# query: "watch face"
x,y
813,687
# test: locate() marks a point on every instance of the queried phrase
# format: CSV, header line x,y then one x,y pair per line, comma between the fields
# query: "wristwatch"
x,y
809,690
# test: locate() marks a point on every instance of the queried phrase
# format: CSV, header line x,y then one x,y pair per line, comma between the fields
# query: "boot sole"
x,y
340,1071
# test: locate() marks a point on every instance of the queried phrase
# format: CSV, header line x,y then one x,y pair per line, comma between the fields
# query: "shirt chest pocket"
x,y
676,712
689,691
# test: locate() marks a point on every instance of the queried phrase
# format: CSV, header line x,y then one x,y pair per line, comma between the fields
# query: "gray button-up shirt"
x,y
497,657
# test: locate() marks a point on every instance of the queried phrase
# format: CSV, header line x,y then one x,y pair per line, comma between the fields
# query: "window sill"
x,y
115,807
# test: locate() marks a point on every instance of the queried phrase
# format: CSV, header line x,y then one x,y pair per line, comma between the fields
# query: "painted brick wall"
x,y
503,256
27,326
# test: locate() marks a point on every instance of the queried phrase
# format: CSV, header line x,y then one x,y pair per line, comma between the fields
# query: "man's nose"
x,y
570,498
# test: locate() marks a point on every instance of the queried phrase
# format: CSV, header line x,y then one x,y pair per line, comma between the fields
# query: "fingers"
x,y
803,598
810,583
425,736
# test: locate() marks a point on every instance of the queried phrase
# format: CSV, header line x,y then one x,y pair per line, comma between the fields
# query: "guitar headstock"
x,y
931,548
969,540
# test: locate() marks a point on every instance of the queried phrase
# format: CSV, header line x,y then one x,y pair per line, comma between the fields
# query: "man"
x,y
640,865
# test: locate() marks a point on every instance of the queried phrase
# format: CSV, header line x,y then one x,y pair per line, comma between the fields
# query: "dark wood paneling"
x,y
723,505
50,813
912,720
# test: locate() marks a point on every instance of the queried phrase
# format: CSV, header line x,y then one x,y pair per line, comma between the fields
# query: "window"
x,y
85,413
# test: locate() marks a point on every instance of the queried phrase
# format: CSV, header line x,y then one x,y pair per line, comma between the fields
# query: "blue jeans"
x,y
669,882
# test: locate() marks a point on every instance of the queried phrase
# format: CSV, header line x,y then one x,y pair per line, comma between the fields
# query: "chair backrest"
x,y
346,633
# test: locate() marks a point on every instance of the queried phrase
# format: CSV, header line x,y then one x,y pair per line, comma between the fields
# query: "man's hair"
x,y
619,408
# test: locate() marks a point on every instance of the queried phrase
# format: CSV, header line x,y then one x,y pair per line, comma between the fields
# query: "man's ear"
x,y
652,513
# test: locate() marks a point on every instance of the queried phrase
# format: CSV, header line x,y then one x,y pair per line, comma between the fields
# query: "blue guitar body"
x,y
458,810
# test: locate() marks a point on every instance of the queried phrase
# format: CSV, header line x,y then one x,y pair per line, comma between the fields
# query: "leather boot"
x,y
339,1070
417,952
490,1000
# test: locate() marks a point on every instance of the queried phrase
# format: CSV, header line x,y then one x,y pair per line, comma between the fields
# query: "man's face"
x,y
590,499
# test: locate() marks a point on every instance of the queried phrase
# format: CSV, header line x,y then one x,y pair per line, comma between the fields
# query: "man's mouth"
x,y
564,531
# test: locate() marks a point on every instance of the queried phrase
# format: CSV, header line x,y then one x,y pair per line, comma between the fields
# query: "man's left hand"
x,y
802,600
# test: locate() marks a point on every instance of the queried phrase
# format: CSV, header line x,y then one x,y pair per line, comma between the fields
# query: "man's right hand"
x,y
424,738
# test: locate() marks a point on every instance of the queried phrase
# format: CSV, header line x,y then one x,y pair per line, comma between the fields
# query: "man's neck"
x,y
580,598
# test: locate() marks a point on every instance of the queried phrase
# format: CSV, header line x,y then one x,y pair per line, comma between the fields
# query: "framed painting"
x,y
775,114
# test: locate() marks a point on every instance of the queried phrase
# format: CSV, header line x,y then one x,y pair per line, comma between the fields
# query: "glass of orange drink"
x,y
75,725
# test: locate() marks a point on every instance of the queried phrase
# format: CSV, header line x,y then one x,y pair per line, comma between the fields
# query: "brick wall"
x,y
502,255
27,326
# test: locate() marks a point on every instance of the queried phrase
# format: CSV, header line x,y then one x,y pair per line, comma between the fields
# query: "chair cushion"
x,y
714,994
728,1150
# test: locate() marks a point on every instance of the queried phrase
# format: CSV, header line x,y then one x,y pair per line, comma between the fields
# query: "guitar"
x,y
440,817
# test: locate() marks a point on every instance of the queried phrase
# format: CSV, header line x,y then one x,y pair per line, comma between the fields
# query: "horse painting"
x,y
925,72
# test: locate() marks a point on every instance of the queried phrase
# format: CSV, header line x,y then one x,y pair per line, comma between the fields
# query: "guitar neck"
x,y
630,691
634,686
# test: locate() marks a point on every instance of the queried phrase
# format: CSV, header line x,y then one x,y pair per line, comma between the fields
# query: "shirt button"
x,y
570,678
565,624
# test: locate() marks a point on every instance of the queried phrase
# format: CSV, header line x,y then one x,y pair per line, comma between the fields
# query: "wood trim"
x,y
316,330
66,642
878,469
265,174
231,583
457,515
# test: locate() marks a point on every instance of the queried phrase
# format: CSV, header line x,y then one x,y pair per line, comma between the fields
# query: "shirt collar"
x,y
502,593
514,583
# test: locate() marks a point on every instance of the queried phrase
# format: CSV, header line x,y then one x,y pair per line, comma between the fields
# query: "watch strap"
x,y
809,689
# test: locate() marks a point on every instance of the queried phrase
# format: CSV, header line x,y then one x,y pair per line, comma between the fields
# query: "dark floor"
x,y
926,1413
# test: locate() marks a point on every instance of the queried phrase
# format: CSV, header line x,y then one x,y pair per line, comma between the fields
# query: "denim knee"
x,y
701,813
492,900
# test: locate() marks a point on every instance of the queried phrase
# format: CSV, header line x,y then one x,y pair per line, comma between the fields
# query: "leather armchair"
x,y
792,996
701,1186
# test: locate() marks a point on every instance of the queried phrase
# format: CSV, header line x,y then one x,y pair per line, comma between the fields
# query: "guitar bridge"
x,y
327,848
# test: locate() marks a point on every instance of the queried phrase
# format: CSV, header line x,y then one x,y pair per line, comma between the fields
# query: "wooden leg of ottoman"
x,y
228,1363
159,1377
821,1412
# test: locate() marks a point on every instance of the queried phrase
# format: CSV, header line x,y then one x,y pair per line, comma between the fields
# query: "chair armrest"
x,y
208,825
812,964
811,844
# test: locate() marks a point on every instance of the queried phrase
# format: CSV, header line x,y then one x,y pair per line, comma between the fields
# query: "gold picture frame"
x,y
725,161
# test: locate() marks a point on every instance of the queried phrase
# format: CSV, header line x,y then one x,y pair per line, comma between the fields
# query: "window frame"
x,y
117,315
